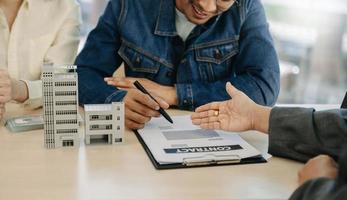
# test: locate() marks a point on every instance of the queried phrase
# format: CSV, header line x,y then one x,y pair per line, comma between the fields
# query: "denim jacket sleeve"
x,y
256,69
99,59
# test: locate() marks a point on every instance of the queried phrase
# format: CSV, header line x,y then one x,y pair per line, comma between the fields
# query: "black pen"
x,y
161,110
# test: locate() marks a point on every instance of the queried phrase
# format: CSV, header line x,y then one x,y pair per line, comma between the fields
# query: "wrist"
x,y
261,118
172,95
19,91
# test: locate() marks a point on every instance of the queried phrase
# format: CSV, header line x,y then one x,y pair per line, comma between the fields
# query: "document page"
x,y
177,142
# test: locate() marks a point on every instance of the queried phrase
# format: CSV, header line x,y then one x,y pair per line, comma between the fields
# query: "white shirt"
x,y
43,31
183,26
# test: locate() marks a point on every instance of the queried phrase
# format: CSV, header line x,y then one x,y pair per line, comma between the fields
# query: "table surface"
x,y
123,171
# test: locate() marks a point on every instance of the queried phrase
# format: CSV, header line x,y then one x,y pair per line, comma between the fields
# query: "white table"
x,y
103,172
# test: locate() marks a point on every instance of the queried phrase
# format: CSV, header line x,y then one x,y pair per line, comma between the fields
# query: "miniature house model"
x,y
60,106
104,123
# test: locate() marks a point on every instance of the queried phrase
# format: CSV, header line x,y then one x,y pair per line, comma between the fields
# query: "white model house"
x,y
104,123
60,106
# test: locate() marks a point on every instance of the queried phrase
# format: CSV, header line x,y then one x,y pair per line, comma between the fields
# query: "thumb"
x,y
232,91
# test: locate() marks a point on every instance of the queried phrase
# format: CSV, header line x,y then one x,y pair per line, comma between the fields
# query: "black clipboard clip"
x,y
211,159
198,162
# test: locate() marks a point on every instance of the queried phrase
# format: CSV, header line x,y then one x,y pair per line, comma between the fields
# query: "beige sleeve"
x,y
63,51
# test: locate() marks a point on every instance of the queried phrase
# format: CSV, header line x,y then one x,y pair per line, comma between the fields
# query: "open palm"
x,y
232,115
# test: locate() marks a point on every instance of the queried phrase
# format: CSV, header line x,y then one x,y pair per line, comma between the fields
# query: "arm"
x,y
256,69
301,133
10,89
99,59
296,133
62,51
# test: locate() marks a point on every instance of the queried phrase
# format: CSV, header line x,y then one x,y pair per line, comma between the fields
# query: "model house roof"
x,y
97,107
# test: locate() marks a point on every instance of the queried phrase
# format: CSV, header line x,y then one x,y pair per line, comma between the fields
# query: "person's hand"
x,y
167,93
320,166
140,108
5,87
10,89
2,111
238,114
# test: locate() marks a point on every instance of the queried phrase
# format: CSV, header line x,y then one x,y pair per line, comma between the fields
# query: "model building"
x,y
60,106
104,123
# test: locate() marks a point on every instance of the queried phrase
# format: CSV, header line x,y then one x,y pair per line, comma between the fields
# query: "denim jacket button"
x,y
185,102
217,54
169,74
138,60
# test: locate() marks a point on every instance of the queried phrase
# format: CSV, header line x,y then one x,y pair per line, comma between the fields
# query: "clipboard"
x,y
198,161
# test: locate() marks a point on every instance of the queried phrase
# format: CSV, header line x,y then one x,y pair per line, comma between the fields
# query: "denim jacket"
x,y
234,46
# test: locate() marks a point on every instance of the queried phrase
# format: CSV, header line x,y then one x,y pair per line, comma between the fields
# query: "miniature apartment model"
x,y
60,106
104,123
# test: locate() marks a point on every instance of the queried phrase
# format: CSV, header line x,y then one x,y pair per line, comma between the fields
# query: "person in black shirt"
x,y
302,134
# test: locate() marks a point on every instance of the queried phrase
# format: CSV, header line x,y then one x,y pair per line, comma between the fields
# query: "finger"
x,y
196,122
210,106
125,89
209,119
213,125
205,120
206,114
204,108
133,125
232,91
195,116
5,83
120,82
136,117
4,99
146,100
143,110
162,103
5,91
2,110
133,79
199,116
322,157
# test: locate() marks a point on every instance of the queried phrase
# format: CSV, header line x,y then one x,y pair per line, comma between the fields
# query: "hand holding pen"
x,y
139,107
161,110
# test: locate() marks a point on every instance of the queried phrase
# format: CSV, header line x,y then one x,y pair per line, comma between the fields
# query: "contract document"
x,y
183,142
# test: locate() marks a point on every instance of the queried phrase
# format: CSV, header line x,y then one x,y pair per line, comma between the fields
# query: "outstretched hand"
x,y
238,114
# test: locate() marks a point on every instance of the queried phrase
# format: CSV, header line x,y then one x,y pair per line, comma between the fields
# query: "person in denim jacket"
x,y
182,51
